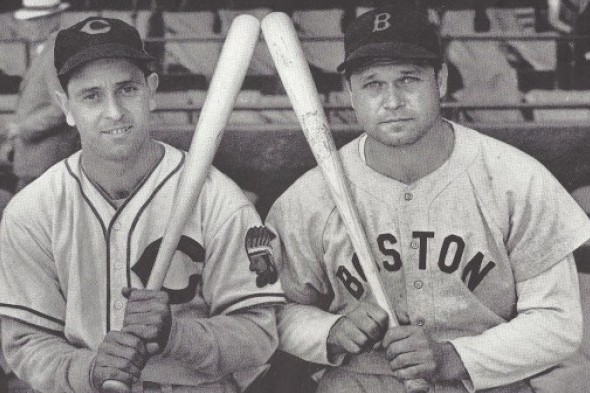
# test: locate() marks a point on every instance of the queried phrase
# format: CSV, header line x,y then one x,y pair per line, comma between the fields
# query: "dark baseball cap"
x,y
391,33
97,38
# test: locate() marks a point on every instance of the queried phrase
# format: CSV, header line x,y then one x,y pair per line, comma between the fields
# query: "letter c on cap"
x,y
96,26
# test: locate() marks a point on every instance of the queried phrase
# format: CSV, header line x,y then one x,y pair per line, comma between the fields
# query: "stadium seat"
x,y
560,97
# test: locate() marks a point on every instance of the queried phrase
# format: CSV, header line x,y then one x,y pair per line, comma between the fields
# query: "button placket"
x,y
118,274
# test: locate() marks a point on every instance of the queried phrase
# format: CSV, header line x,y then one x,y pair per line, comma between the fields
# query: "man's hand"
x,y
121,356
412,354
148,316
360,329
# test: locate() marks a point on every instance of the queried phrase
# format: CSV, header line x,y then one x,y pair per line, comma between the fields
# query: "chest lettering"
x,y
451,254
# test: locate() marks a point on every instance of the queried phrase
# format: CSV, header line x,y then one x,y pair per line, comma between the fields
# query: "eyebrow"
x,y
94,89
413,71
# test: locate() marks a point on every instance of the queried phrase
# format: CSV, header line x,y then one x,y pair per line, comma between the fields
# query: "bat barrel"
x,y
285,49
225,85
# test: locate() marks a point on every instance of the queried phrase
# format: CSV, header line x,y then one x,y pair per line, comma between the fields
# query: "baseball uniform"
x,y
67,251
459,251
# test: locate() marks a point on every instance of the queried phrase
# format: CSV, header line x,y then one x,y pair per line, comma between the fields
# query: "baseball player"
x,y
473,239
75,242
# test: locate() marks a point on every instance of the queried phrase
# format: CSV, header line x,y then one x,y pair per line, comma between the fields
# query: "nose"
x,y
113,108
393,98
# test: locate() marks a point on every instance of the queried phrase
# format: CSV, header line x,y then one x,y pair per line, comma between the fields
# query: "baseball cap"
x,y
32,9
391,33
97,38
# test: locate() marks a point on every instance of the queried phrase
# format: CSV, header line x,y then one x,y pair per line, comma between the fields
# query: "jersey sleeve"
x,y
46,360
545,222
29,285
547,329
305,322
240,271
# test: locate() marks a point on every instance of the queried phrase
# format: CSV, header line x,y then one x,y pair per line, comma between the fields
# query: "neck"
x,y
410,163
119,178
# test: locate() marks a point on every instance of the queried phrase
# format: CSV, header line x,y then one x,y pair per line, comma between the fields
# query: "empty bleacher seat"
x,y
560,97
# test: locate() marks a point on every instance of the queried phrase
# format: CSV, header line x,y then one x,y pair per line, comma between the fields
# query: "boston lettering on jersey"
x,y
186,245
451,253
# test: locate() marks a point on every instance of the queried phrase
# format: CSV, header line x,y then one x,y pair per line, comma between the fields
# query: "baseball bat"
x,y
225,85
287,54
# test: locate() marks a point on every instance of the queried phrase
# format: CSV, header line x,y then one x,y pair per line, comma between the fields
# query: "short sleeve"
x,y
546,224
298,249
240,271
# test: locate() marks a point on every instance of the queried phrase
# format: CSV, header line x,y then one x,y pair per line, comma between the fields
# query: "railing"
x,y
453,109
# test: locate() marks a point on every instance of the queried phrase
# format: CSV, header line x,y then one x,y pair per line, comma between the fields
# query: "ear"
x,y
349,89
152,82
62,100
442,78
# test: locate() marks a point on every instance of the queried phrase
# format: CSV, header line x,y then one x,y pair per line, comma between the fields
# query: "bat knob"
x,y
417,386
114,386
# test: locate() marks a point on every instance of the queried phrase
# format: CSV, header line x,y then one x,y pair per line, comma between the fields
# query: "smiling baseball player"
x,y
74,241
473,239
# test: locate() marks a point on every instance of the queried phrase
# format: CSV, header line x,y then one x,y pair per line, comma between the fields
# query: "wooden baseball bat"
x,y
285,49
225,85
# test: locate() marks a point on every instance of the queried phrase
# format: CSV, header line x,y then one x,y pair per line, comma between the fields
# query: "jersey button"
x,y
118,265
117,226
414,244
408,196
418,284
420,322
118,305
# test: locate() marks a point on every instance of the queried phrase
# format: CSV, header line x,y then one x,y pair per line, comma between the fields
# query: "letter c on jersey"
x,y
187,246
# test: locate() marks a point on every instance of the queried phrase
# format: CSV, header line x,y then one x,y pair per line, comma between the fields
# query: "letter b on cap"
x,y
381,22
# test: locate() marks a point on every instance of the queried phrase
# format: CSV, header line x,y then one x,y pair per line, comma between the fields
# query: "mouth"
x,y
117,131
393,121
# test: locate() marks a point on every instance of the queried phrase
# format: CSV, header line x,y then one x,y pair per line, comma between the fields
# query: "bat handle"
x,y
114,386
417,386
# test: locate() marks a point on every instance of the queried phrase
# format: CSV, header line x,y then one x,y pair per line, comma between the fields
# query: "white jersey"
x,y
67,251
450,247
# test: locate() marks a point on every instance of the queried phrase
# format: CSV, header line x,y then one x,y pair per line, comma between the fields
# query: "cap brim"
x,y
104,51
387,50
31,13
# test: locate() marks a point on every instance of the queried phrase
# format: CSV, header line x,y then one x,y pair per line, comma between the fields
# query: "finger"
x,y
152,348
378,346
123,344
397,333
109,373
126,292
407,359
378,315
145,318
142,307
370,328
356,335
145,332
351,347
131,366
146,294
412,372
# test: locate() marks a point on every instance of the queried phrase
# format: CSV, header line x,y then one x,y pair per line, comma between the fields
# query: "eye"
x,y
409,79
90,97
373,85
129,90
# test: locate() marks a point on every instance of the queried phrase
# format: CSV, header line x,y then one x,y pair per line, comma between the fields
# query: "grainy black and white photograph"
x,y
282,196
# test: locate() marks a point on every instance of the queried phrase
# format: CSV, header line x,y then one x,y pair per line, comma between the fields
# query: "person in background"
x,y
39,133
